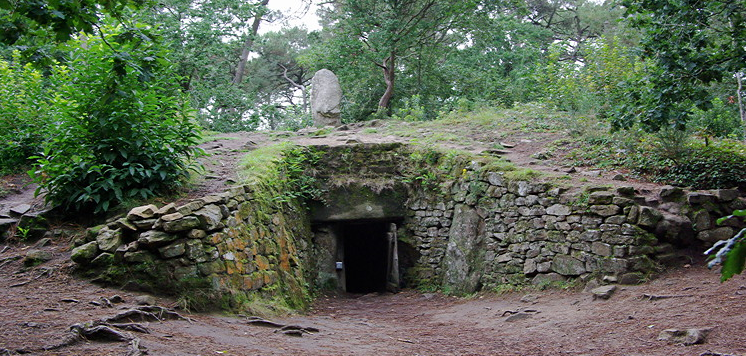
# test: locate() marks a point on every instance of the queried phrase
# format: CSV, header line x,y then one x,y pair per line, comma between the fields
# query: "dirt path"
x,y
557,322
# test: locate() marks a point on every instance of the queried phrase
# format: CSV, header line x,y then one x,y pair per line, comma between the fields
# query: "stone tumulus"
x,y
474,230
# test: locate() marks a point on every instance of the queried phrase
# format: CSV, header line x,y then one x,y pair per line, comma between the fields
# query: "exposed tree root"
x,y
136,349
8,260
291,330
145,313
108,329
253,320
652,297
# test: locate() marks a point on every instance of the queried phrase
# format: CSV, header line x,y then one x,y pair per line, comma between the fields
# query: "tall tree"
x,y
573,22
208,41
391,30
693,44
249,42
279,51
278,80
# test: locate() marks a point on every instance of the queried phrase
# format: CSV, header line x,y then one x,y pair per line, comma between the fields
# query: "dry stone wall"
x,y
483,230
229,243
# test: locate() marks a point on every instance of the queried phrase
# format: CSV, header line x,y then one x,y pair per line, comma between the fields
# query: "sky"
x,y
299,13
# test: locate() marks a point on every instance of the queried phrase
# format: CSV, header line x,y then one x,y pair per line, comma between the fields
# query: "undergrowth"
x,y
462,127
285,169
667,157
691,158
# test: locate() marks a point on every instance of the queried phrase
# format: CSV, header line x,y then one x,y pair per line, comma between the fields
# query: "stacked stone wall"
x,y
484,230
230,243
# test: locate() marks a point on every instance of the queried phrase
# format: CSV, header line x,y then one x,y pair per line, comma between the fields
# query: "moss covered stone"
x,y
85,253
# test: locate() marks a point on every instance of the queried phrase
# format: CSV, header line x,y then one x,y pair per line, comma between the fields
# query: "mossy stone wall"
x,y
466,227
229,247
482,230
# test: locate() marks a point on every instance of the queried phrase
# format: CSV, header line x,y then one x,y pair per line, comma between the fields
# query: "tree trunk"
x,y
304,92
238,77
389,76
739,92
303,89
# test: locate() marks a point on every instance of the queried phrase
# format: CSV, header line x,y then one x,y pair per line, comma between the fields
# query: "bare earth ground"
x,y
408,323
39,304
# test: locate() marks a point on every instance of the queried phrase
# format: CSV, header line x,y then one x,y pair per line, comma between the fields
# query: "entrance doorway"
x,y
370,257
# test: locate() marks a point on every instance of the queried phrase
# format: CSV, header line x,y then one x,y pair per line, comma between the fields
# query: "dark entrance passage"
x,y
366,256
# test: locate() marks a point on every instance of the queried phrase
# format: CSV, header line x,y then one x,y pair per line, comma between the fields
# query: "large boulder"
x,y
326,96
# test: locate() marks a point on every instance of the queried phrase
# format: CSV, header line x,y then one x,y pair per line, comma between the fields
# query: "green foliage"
x,y
23,231
709,167
430,166
196,294
721,120
61,19
669,156
410,110
297,170
498,63
693,44
260,165
730,253
421,168
523,175
596,85
499,165
124,131
581,200
27,109
285,170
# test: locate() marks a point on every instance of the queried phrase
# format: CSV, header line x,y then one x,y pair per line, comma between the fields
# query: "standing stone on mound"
x,y
326,96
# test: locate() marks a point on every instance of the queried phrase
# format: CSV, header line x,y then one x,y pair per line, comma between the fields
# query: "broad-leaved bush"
x,y
127,130
27,108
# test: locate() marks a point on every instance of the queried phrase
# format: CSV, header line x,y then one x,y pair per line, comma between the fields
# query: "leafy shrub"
x,y
126,130
722,120
669,156
25,114
709,167
410,110
284,172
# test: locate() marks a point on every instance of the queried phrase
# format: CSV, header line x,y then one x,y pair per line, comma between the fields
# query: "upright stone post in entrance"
x,y
326,96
